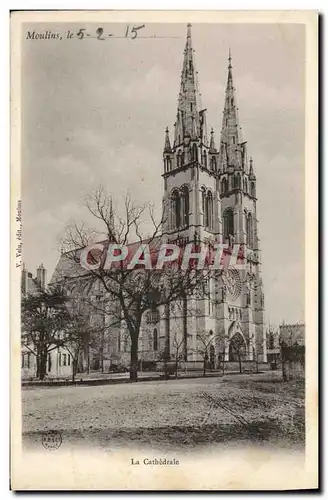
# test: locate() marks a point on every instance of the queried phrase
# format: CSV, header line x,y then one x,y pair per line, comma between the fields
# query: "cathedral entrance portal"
x,y
237,348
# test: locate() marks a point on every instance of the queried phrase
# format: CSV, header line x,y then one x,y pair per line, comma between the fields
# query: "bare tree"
x,y
131,292
177,354
44,317
79,331
179,351
206,341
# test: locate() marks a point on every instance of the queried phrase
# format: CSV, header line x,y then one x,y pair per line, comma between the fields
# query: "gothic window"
x,y
194,153
245,186
205,159
191,106
249,230
182,159
203,202
176,209
231,101
179,159
224,186
253,189
233,139
238,181
209,210
167,164
228,223
213,163
185,205
155,340
205,210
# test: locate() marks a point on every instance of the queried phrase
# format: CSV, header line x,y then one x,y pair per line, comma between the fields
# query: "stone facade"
x,y
210,195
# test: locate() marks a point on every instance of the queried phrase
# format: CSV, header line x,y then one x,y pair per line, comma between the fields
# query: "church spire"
x,y
189,107
167,145
231,132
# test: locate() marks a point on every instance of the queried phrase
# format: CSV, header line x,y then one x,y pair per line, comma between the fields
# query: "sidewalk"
x,y
121,378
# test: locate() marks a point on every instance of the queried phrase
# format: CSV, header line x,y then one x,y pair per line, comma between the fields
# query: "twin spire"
x,y
188,123
231,131
191,118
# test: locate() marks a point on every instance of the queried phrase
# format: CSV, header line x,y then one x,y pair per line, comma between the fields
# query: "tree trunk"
x,y
102,352
176,368
134,359
38,366
185,330
204,368
239,361
167,332
283,362
43,365
166,368
74,367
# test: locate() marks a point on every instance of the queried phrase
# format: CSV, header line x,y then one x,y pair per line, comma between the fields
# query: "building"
x,y
59,362
292,334
292,343
209,196
30,284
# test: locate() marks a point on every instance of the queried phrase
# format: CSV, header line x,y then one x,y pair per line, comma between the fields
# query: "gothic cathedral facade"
x,y
210,196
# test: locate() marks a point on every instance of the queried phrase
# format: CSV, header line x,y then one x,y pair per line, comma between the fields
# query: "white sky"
x,y
94,112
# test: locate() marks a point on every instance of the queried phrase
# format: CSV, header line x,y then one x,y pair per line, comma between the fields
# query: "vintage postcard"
x,y
164,250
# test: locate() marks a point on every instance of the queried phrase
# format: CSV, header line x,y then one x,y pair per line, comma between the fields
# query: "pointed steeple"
x,y
231,132
212,142
189,104
167,145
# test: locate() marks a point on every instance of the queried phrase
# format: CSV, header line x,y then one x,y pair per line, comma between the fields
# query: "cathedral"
x,y
209,195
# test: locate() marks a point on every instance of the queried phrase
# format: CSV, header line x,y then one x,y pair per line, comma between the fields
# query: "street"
x,y
174,413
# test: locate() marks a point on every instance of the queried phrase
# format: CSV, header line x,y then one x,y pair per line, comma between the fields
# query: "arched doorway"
x,y
237,348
